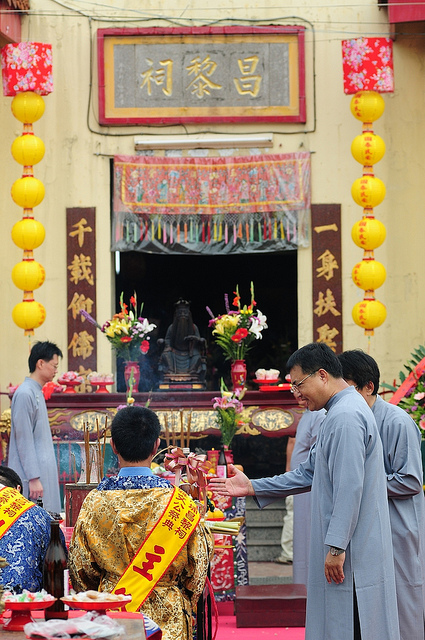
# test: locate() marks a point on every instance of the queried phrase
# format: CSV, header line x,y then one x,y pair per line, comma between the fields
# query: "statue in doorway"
x,y
183,358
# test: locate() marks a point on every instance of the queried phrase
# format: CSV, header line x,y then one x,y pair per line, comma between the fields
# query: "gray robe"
x,y
306,435
31,452
345,471
401,442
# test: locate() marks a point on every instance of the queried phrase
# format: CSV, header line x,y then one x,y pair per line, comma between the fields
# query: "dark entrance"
x,y
160,280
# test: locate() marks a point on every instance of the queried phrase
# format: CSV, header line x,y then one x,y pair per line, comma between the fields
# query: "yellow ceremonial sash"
x,y
168,537
12,506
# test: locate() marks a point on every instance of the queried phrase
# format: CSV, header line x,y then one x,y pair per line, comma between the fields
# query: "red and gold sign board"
x,y
327,277
201,74
81,288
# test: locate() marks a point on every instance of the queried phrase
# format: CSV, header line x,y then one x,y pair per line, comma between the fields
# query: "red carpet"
x,y
227,631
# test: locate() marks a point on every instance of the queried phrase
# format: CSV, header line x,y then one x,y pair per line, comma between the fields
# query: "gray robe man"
x,y
31,452
351,586
401,443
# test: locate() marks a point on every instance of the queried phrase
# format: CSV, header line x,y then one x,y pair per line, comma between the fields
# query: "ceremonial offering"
x,y
22,605
100,380
70,379
96,601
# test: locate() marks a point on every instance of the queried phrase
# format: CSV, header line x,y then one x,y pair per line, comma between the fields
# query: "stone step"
x,y
264,532
259,517
265,552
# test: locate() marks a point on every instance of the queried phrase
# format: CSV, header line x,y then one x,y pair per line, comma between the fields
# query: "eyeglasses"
x,y
295,387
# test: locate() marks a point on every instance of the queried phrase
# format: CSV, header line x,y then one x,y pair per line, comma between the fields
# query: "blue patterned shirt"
x,y
24,546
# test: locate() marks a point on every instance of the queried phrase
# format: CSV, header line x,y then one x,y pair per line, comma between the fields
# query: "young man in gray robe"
x,y
401,442
351,586
31,452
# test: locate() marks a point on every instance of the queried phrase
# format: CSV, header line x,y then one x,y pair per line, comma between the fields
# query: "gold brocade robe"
x,y
111,526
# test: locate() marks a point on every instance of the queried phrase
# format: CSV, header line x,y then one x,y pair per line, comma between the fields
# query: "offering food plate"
x,y
21,613
100,606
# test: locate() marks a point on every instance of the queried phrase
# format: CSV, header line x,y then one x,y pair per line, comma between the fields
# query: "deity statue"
x,y
183,358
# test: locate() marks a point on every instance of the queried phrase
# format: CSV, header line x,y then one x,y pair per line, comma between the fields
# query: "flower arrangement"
x,y
127,330
410,395
229,408
236,330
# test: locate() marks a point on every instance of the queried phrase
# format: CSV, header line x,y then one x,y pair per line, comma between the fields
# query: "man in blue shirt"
x,y
24,543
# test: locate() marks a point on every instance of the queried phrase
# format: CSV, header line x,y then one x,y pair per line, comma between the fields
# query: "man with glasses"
x,y
401,441
351,585
31,452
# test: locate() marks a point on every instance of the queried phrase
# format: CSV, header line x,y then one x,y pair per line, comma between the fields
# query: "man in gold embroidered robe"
x,y
117,517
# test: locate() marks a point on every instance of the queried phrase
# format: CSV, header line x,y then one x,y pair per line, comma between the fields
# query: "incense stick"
x,y
173,431
167,433
87,451
189,424
104,444
181,428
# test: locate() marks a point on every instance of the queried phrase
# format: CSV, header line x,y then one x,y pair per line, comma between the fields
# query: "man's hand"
x,y
237,485
35,489
334,568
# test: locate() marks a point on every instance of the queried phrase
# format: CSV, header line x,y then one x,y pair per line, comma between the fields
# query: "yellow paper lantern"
x,y
368,148
29,315
368,191
28,275
28,107
28,192
368,233
368,274
367,106
28,234
28,149
369,314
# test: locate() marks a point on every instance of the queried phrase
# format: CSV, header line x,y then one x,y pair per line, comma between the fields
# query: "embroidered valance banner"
x,y
211,205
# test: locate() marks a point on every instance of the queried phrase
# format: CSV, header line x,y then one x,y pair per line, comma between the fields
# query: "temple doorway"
x,y
160,280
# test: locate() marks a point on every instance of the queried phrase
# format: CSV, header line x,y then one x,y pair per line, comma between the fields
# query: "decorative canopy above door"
x,y
211,205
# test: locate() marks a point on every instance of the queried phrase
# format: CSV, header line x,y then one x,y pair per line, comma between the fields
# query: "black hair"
x,y
315,356
361,368
42,351
10,478
135,431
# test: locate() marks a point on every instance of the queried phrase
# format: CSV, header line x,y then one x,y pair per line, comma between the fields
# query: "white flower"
x,y
262,319
258,323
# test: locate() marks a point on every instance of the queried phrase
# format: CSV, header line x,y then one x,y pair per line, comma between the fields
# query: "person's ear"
x,y
369,388
19,488
113,447
156,447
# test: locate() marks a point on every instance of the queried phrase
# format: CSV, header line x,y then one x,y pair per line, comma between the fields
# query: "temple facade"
x,y
219,131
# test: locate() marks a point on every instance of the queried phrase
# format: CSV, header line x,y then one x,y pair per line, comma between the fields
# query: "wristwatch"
x,y
334,551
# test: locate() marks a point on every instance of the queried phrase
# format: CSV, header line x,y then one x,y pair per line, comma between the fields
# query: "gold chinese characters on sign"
x,y
214,74
327,281
81,291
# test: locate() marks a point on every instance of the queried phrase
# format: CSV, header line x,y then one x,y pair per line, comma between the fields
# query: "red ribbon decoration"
x,y
196,465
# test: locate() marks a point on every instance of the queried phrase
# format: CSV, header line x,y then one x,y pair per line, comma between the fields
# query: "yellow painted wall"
x,y
75,170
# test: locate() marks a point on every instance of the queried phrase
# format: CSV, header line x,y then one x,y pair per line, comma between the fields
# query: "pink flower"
x,y
419,396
